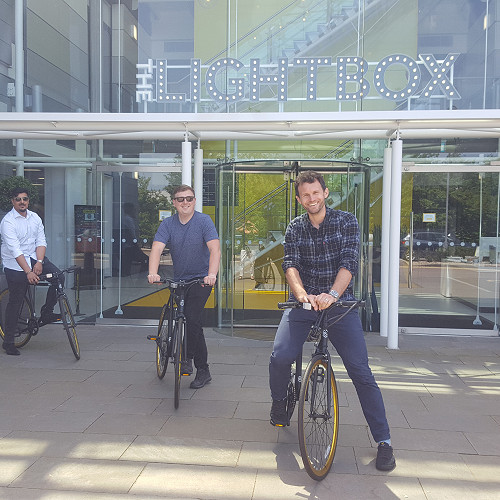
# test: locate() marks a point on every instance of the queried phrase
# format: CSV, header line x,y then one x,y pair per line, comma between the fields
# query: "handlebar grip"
x,y
294,305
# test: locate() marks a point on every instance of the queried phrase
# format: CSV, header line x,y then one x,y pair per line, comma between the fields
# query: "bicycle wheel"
x,y
69,325
178,345
27,324
162,343
318,420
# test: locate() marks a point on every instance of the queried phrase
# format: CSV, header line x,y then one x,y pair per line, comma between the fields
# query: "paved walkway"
x,y
105,426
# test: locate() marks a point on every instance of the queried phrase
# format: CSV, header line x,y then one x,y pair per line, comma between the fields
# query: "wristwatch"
x,y
334,294
41,261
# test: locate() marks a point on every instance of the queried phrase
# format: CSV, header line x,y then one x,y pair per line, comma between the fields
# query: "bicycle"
x,y
317,395
28,324
171,340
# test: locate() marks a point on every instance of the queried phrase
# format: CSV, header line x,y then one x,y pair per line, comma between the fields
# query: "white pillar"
x,y
186,163
384,254
19,74
394,241
198,178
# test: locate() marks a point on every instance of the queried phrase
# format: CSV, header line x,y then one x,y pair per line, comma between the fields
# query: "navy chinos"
x,y
348,339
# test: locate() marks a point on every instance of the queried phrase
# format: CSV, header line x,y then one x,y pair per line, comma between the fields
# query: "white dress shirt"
x,y
20,236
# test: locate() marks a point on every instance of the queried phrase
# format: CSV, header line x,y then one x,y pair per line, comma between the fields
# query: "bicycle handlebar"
x,y
181,283
71,269
293,304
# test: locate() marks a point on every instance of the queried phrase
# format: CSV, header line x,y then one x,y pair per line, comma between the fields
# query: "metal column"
x,y
394,240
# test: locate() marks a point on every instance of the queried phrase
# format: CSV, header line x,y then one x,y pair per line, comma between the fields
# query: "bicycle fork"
x,y
322,377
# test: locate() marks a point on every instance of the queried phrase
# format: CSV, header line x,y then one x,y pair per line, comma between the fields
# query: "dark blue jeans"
x,y
17,283
348,339
194,308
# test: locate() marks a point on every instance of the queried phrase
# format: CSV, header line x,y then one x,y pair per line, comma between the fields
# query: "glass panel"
x,y
259,223
255,215
133,205
83,56
449,267
258,203
58,194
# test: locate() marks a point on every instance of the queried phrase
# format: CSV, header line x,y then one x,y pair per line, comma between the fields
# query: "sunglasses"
x,y
18,198
180,199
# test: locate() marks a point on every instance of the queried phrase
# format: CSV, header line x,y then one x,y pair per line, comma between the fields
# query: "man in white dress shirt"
x,y
23,259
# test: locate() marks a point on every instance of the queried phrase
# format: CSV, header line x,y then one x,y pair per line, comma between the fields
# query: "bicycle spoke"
x,y
318,421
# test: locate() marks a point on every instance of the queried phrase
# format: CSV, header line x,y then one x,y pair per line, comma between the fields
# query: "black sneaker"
x,y
279,416
202,378
47,318
385,457
11,349
187,367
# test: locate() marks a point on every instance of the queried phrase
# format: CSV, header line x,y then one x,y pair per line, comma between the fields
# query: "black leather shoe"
x,y
11,350
202,378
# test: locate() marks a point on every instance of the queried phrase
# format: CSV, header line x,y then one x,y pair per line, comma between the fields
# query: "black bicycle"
x,y
316,392
171,340
28,324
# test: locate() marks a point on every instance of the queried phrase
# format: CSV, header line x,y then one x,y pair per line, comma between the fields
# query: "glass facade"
x,y
101,200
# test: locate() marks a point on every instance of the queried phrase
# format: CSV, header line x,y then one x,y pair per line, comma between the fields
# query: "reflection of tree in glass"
x,y
429,196
151,201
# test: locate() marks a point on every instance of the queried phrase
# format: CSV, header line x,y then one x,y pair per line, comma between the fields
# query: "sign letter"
x,y
358,77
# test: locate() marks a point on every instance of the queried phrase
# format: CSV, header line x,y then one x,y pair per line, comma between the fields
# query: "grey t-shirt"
x,y
188,244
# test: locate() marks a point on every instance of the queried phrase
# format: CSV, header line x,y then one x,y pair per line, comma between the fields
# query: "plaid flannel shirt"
x,y
318,254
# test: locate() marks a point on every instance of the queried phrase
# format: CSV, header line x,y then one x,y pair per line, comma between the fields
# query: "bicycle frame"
x,y
31,324
176,309
175,344
322,349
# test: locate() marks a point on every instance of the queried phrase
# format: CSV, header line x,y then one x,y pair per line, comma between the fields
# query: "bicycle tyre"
x,y
318,432
69,325
27,325
178,344
162,343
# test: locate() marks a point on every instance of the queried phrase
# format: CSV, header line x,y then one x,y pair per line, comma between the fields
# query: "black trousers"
x,y
18,283
194,309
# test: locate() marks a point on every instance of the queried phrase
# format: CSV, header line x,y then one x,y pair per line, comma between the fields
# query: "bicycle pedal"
x,y
152,337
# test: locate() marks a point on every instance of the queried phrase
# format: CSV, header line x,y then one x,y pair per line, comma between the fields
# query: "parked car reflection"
x,y
427,240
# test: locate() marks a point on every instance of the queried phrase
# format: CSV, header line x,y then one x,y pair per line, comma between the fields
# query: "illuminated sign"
x,y
229,80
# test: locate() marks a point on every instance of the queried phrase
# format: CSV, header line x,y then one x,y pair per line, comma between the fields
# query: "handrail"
x,y
257,204
252,31
345,146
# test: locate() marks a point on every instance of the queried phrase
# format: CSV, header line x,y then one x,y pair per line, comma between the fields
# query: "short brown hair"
x,y
183,187
310,177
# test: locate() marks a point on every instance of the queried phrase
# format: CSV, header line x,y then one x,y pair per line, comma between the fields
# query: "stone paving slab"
x,y
107,476
66,444
105,427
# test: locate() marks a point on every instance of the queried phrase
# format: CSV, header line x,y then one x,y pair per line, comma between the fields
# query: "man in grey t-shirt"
x,y
195,249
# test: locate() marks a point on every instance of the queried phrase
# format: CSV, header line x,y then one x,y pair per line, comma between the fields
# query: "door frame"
x,y
291,168
412,167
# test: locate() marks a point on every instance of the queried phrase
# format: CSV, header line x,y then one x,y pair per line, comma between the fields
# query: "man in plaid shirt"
x,y
321,258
